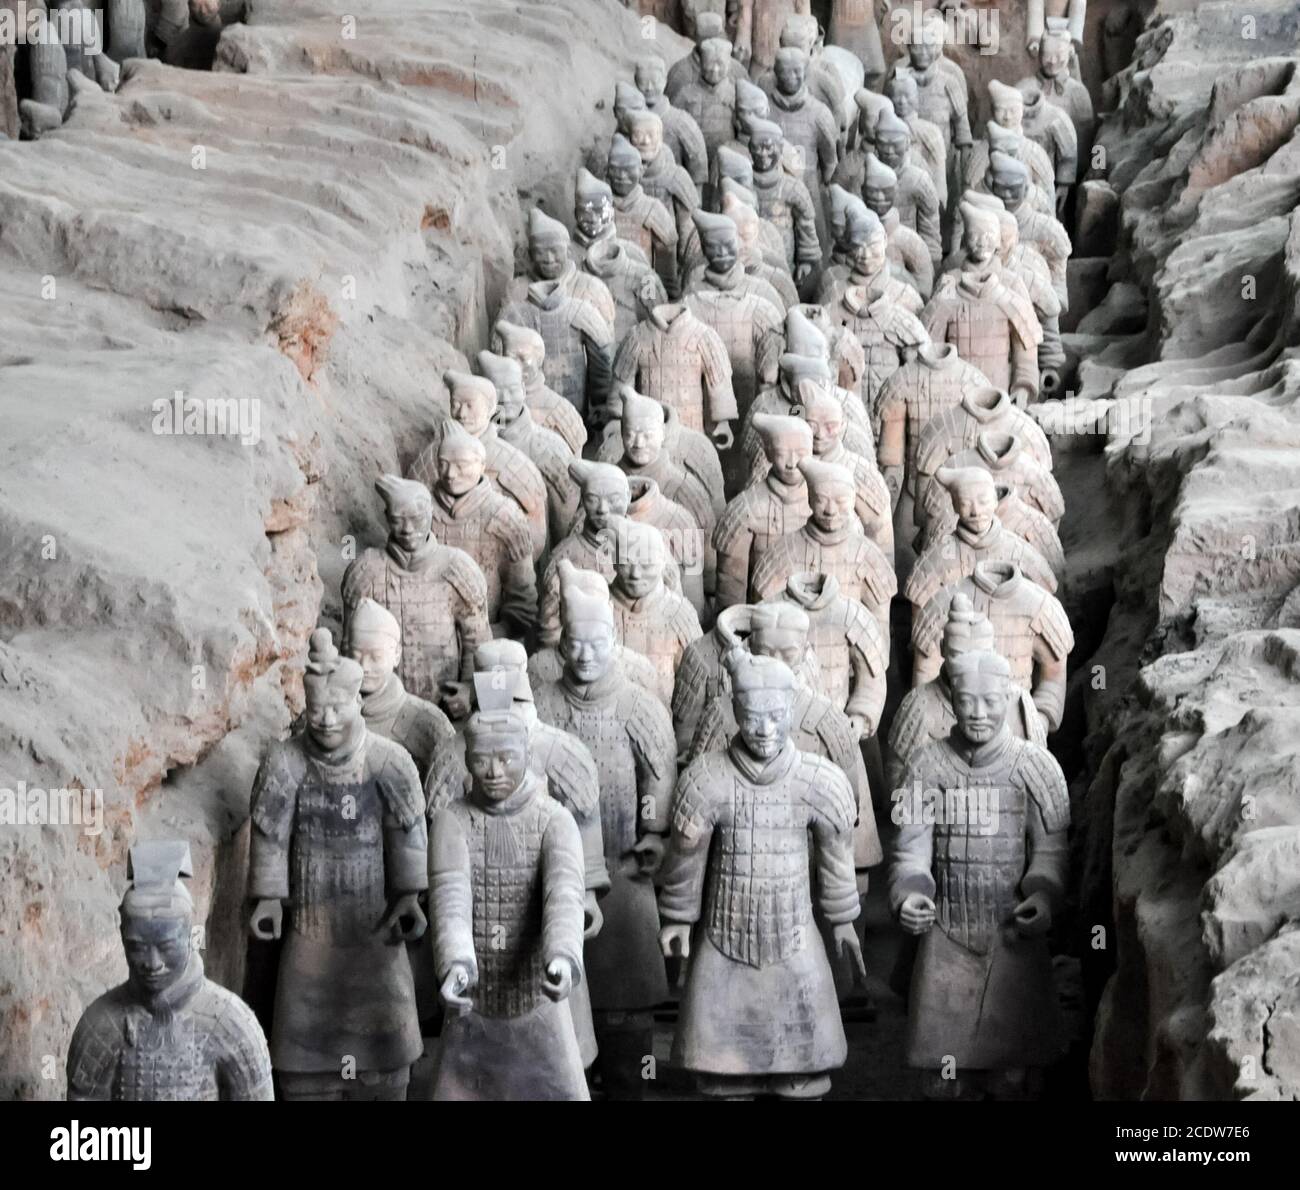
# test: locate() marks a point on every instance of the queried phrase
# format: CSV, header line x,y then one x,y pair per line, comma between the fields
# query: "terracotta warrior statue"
x,y
545,449
738,307
911,194
1018,518
831,542
750,104
764,511
758,25
338,835
641,218
709,101
1004,455
686,70
824,82
741,207
551,257
942,96
677,359
1068,17
374,642
992,323
661,176
469,513
620,265
760,1014
474,404
506,897
928,143
648,617
1030,630
926,714
683,134
630,736
910,256
978,883
1005,133
550,410
1052,130
167,1033
1008,179
978,537
437,592
702,673
1055,53
785,200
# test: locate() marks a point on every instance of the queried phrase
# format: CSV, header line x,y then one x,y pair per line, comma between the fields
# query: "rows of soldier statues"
x,y
610,697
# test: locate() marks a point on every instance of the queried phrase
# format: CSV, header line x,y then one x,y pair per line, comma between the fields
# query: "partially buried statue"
x,y
437,592
167,1033
506,897
339,837
760,1014
977,876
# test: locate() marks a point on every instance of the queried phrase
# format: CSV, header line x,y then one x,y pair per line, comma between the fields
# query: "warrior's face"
x,y
1011,190
643,439
548,258
459,471
409,525
827,425
785,644
638,570
497,762
785,455
904,99
832,505
879,199
922,53
870,255
650,78
603,505
981,243
588,649
1054,57
765,152
472,409
980,703
157,951
510,403
721,251
746,230
647,139
763,717
377,654
593,216
713,62
1008,114
892,151
530,360
976,505
623,177
332,712
790,74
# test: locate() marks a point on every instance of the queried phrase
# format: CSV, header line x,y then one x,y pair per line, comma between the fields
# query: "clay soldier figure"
x,y
1030,629
1055,51
1052,130
1069,15
852,655
914,197
784,200
880,310
630,737
735,175
551,258
547,451
639,218
593,220
991,323
735,306
1006,457
765,511
832,542
750,104
682,536
855,25
758,25
469,513
1018,518
682,133
167,1033
661,176
926,713
702,674
338,834
675,358
506,896
648,617
823,80
978,537
942,96
644,456
686,70
1008,179
709,101
437,593
809,331
550,410
981,895
374,642
759,1014
810,128
928,141
742,210
512,473
909,254
1005,133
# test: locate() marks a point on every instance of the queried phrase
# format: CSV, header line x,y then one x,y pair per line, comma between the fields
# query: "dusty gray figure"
x,y
167,1033
339,837
506,897
60,72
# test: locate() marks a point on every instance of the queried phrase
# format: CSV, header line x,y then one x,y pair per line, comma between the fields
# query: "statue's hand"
x,y
802,271
649,852
267,920
593,919
406,921
558,982
722,435
861,726
455,699
916,914
1033,916
459,981
849,948
675,940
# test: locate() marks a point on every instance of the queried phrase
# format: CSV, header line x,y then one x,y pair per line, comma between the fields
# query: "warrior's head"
x,y
719,239
408,509
821,410
548,245
743,215
715,57
332,685
624,168
831,494
523,345
893,139
925,39
879,186
1054,48
646,132
587,642
779,630
974,496
1008,179
981,234
790,69
461,460
793,369
1007,104
373,639
766,143
507,378
651,75
640,560
642,426
496,739
473,400
593,205
605,494
751,104
981,694
868,242
734,167
157,916
787,441
627,102
903,94
762,699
